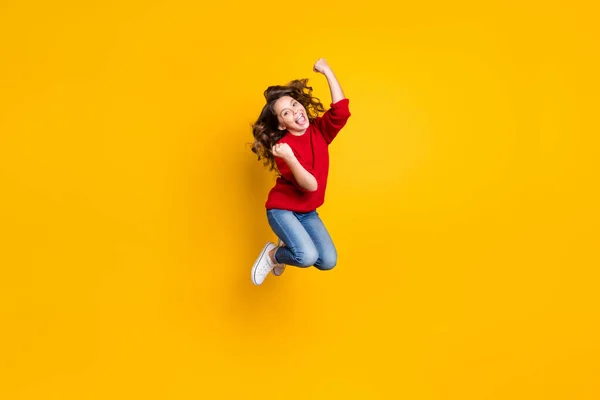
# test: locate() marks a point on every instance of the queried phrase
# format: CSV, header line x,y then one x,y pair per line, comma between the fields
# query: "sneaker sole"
x,y
279,244
257,262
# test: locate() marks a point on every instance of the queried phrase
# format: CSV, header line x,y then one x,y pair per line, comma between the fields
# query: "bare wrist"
x,y
328,73
290,159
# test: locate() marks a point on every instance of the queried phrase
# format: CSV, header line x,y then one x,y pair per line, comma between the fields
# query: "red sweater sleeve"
x,y
334,119
287,174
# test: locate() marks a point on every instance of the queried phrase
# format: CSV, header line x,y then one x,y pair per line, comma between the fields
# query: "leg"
x,y
322,240
299,250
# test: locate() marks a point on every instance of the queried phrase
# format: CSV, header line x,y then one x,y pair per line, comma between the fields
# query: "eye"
x,y
285,113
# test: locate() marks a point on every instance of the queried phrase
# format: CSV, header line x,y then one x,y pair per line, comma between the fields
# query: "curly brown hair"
x,y
265,129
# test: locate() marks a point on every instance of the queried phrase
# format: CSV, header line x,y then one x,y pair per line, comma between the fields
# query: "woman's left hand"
x,y
321,66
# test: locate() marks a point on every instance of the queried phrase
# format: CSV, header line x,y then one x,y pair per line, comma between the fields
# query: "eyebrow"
x,y
287,108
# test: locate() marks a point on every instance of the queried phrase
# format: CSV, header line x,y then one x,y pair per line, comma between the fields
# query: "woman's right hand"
x,y
282,150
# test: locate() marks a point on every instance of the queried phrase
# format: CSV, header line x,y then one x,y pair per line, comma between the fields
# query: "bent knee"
x,y
307,258
327,263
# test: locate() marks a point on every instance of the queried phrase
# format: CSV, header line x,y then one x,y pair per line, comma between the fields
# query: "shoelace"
x,y
267,267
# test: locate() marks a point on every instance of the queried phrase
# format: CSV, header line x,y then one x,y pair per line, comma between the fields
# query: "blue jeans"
x,y
306,239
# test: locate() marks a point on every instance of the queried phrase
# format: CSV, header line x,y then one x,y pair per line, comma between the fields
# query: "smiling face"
x,y
291,115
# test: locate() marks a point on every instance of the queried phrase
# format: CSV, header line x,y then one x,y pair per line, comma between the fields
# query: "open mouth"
x,y
301,120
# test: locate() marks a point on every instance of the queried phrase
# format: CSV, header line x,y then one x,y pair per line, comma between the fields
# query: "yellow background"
x,y
463,199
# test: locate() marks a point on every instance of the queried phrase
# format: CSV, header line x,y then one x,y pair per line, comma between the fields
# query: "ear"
x,y
281,128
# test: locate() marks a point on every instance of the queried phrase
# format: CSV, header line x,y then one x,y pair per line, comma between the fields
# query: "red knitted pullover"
x,y
312,151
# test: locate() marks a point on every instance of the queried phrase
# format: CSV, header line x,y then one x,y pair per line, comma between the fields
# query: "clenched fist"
x,y
283,150
321,66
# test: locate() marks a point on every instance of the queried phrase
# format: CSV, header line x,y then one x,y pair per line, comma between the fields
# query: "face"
x,y
291,115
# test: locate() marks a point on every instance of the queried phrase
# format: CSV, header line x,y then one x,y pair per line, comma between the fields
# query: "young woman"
x,y
293,138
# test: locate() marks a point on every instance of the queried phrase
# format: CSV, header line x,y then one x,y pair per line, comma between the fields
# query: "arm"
x,y
305,179
337,93
336,117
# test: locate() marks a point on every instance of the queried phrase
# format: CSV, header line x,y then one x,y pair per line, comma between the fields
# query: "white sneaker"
x,y
279,268
263,265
